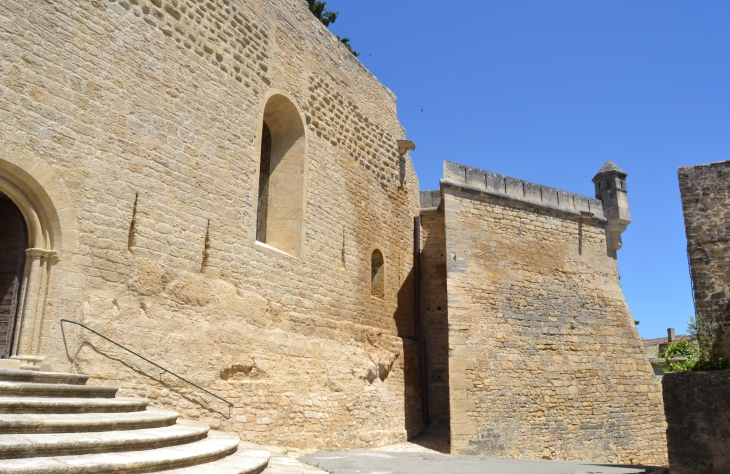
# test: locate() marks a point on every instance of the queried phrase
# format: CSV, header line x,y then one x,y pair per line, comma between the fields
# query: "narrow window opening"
x,y
377,281
264,175
132,223
206,247
344,264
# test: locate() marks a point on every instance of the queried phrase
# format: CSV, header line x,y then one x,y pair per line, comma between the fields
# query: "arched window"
x,y
13,242
280,206
377,280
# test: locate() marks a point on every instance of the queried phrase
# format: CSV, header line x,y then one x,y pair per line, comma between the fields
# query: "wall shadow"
x,y
404,319
435,330
435,319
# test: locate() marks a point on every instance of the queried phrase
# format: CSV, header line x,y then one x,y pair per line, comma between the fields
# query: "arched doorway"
x,y
13,243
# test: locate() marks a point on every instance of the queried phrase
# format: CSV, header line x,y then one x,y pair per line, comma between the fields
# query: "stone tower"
x,y
611,190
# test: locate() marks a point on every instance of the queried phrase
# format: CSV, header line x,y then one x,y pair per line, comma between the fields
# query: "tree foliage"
x,y
321,13
708,332
319,10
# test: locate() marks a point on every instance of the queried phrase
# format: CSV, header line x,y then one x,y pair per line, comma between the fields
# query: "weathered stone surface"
x,y
544,357
705,193
147,116
698,418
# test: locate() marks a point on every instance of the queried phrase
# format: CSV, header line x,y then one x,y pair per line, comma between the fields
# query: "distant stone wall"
x,y
544,358
149,114
697,408
706,202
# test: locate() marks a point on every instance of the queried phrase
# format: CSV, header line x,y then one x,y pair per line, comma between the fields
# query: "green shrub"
x,y
702,355
720,363
680,349
684,349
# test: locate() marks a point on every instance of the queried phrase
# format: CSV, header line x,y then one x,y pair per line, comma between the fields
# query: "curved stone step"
x,y
65,444
85,422
71,405
243,461
215,446
8,375
24,389
279,464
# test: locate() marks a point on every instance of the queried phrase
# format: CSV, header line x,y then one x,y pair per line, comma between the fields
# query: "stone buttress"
x,y
544,359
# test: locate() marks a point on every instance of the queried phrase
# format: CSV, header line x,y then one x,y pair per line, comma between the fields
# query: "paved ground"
x,y
431,462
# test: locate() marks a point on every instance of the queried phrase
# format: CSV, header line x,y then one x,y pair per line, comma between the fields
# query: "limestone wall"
x,y
544,357
147,115
706,200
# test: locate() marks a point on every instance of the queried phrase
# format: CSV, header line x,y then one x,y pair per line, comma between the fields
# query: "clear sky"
x,y
547,91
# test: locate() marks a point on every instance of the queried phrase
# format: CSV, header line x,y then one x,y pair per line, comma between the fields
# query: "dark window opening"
x,y
264,175
377,282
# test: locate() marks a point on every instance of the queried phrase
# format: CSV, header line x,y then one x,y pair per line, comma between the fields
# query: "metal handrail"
x,y
164,370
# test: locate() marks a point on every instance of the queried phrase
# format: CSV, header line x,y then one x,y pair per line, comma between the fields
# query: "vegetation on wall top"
x,y
319,9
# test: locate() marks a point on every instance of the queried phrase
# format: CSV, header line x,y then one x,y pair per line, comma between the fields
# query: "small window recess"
x,y
377,280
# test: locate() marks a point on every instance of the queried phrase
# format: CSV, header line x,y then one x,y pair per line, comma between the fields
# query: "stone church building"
x,y
221,187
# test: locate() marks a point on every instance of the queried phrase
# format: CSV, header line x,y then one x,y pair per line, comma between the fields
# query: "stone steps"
x,y
245,460
85,422
62,444
42,377
54,423
70,405
215,446
279,464
33,389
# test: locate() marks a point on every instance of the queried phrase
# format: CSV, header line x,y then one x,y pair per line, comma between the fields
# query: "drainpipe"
x,y
417,317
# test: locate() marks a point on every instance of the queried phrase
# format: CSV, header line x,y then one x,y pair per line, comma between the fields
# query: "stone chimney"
x,y
611,190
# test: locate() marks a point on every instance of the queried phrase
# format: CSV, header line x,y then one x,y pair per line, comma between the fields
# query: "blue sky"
x,y
549,90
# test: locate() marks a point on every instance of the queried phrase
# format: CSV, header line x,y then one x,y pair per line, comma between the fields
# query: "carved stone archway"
x,y
51,223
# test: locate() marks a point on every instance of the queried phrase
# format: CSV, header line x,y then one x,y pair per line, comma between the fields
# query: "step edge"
x,y
196,432
153,465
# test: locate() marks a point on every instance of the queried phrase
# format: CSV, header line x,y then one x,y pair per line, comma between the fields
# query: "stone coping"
x,y
473,189
480,181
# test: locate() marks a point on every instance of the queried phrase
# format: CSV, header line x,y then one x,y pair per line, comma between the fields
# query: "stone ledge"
x,y
467,188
